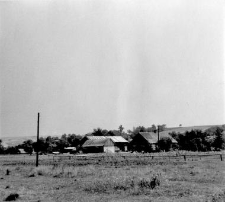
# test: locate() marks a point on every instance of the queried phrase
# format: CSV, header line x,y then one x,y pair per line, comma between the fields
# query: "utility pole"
x,y
37,145
158,137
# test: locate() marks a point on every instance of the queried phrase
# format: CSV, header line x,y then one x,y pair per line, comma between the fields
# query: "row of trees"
x,y
45,145
130,133
195,140
51,144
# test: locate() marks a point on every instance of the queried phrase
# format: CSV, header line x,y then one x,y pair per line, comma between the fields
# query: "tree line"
x,y
195,140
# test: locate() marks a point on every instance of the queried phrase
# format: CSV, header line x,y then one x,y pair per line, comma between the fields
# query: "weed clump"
x,y
131,184
61,171
152,183
7,172
12,197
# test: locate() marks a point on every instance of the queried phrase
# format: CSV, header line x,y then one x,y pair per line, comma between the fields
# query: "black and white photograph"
x,y
112,100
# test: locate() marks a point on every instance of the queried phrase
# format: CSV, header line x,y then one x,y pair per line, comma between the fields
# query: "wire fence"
x,y
108,159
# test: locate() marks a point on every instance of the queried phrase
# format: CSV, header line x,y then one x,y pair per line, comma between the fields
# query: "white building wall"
x,y
109,149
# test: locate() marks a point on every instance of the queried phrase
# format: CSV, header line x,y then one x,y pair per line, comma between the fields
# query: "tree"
x,y
42,146
165,143
1,147
162,127
154,128
28,146
74,140
99,132
12,150
121,129
219,141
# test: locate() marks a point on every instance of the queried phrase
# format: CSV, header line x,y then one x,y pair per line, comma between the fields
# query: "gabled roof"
x,y
115,139
96,137
95,142
152,138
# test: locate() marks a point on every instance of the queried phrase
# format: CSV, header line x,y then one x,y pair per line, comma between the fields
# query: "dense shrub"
x,y
196,140
165,144
130,184
12,197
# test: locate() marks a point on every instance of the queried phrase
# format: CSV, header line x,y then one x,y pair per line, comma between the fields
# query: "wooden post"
x,y
37,140
221,157
184,157
158,137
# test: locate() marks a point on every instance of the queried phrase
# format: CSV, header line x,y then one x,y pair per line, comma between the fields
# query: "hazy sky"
x,y
85,64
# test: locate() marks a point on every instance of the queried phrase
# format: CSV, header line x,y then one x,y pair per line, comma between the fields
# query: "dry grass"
x,y
159,180
61,171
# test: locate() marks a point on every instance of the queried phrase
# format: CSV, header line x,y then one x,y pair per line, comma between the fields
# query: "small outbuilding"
x,y
21,151
69,150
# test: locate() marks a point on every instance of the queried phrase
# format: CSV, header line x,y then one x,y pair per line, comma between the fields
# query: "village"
x,y
111,164
112,101
141,140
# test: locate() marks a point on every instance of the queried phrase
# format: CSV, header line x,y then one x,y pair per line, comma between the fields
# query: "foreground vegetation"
x,y
140,180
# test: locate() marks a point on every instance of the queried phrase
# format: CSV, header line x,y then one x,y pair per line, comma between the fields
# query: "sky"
x,y
85,64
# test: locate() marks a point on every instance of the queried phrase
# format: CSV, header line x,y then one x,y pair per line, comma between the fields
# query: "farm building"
x,y
21,151
104,144
147,141
69,150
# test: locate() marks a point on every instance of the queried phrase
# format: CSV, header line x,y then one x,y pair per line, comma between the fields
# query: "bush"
x,y
131,184
12,197
165,144
61,171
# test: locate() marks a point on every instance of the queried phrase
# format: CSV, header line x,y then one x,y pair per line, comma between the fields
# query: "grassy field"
x,y
113,179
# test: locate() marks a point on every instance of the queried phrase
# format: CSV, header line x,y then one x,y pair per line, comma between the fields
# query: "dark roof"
x,y
152,138
149,136
98,142
94,143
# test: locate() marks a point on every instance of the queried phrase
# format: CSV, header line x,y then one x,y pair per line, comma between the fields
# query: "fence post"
x,y
185,157
221,157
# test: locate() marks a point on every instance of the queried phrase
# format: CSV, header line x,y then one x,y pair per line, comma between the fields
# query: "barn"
x,y
93,144
98,145
147,141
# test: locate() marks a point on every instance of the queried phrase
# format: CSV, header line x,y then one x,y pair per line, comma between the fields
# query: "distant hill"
x,y
14,141
189,128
